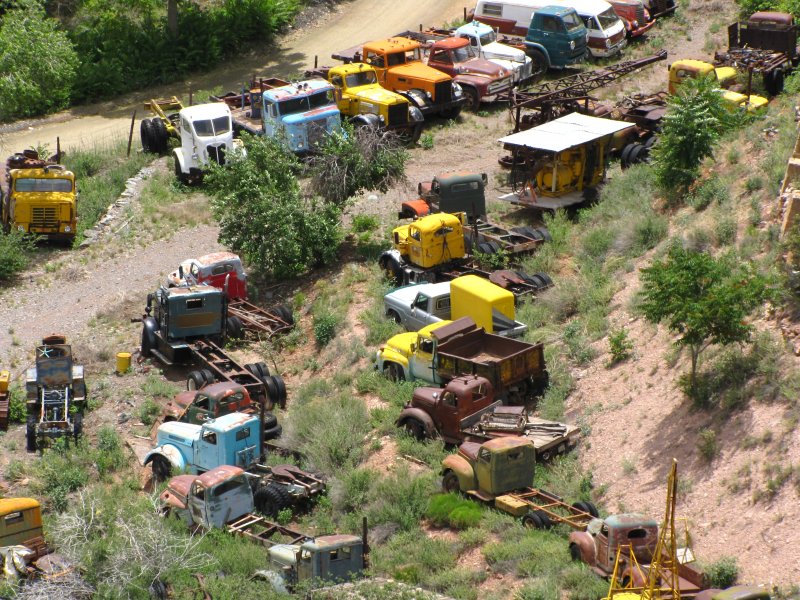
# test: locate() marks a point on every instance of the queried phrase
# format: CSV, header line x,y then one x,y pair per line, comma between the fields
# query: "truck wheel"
x,y
544,518
394,316
575,552
160,136
394,372
285,313
592,509
273,433
450,483
280,387
415,429
270,421
412,136
539,64
208,376
259,369
195,380
146,133
271,499
161,468
235,328
773,82
473,102
30,434
77,426
272,392
532,521
624,158
148,341
392,269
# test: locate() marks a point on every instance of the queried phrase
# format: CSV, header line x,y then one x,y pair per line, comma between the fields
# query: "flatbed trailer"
x,y
259,320
541,510
156,131
211,358
247,116
262,531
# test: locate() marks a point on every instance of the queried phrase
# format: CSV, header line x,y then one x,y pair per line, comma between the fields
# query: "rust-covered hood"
x,y
481,67
177,491
426,397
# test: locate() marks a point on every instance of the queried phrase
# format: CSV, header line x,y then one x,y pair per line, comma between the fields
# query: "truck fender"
x,y
178,153
171,453
582,546
391,262
415,115
418,415
367,120
387,355
462,468
417,98
414,209
540,48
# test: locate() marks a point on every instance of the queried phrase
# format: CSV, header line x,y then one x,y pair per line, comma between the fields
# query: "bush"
x,y
17,405
400,498
149,411
619,345
325,328
722,573
110,455
707,444
365,223
15,253
37,64
454,511
708,191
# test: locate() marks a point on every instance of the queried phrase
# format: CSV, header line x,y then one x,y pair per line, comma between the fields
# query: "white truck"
x,y
484,40
206,134
489,305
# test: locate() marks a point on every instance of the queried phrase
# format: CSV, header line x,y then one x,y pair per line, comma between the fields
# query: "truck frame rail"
x,y
260,530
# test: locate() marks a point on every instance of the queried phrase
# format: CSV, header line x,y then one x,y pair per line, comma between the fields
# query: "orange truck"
x,y
399,64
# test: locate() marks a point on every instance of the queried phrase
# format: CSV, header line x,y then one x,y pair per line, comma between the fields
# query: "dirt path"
x,y
350,23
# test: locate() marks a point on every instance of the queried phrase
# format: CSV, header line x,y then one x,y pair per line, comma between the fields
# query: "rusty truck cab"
x,y
636,531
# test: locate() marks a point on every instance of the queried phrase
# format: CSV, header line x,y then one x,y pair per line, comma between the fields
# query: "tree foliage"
x,y
264,216
695,119
703,299
37,63
357,160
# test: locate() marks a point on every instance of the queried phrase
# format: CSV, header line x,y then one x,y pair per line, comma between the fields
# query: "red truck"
x,y
481,80
466,411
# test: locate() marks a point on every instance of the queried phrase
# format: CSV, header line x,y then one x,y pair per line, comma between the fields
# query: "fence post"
x,y
130,134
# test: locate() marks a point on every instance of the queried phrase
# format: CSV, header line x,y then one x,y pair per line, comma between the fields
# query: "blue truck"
x,y
235,440
302,114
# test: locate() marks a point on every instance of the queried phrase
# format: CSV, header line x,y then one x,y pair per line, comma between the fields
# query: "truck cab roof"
x,y
229,422
390,45
209,110
555,11
408,293
295,90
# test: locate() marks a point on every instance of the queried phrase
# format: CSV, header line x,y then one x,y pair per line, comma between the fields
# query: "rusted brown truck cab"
x,y
210,402
598,545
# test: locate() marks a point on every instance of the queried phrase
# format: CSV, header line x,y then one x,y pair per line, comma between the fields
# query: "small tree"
x,y
695,119
703,299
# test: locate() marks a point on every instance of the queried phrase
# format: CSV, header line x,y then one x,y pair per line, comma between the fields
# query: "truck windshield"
x,y
608,18
320,99
29,184
400,58
209,127
571,21
463,54
488,38
361,78
293,105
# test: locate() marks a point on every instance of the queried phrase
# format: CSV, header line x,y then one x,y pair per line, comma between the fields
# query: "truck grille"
x,y
443,92
617,38
44,217
499,85
217,154
316,133
640,15
398,114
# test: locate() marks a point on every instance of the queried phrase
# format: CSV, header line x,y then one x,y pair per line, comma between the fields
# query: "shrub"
x,y
725,231
400,498
17,405
15,253
325,328
722,573
648,231
365,223
60,473
149,411
110,455
708,191
454,511
426,141
707,444
37,64
619,345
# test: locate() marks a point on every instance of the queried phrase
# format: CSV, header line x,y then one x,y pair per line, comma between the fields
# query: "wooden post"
x,y
465,14
130,135
58,149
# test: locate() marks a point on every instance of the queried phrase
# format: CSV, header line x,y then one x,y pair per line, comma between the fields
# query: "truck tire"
x,y
235,328
539,64
271,499
273,433
392,269
160,136
450,484
285,313
195,380
281,385
77,426
411,136
208,376
270,421
545,519
161,468
415,429
531,520
624,157
473,102
272,392
149,342
773,82
393,372
259,369
394,316
30,434
146,133
575,552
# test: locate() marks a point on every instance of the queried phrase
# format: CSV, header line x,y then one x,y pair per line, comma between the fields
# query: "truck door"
x,y
270,118
207,454
422,360
448,413
419,314
243,447
606,555
197,505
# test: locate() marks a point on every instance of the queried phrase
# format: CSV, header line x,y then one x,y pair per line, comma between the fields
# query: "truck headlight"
x,y
608,43
67,229
21,227
428,94
572,44
636,24
457,89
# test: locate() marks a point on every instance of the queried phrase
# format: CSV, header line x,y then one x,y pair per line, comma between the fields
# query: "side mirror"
x,y
413,347
180,271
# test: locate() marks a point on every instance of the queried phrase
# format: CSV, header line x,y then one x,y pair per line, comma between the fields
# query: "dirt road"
x,y
107,122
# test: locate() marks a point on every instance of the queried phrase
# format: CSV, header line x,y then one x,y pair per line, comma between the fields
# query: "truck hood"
x,y
177,491
284,554
186,431
426,397
482,68
318,114
377,94
402,296
498,50
45,197
183,399
401,343
418,70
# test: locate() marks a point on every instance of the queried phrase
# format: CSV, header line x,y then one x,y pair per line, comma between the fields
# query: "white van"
x,y
606,29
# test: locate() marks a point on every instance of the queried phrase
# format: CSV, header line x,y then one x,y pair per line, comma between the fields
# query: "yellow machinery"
x,y
681,70
431,241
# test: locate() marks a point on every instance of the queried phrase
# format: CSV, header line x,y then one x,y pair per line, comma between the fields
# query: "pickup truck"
x,y
467,411
443,351
492,307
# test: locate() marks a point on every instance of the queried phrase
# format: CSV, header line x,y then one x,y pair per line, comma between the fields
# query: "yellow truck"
x,y
489,305
24,554
681,70
40,197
